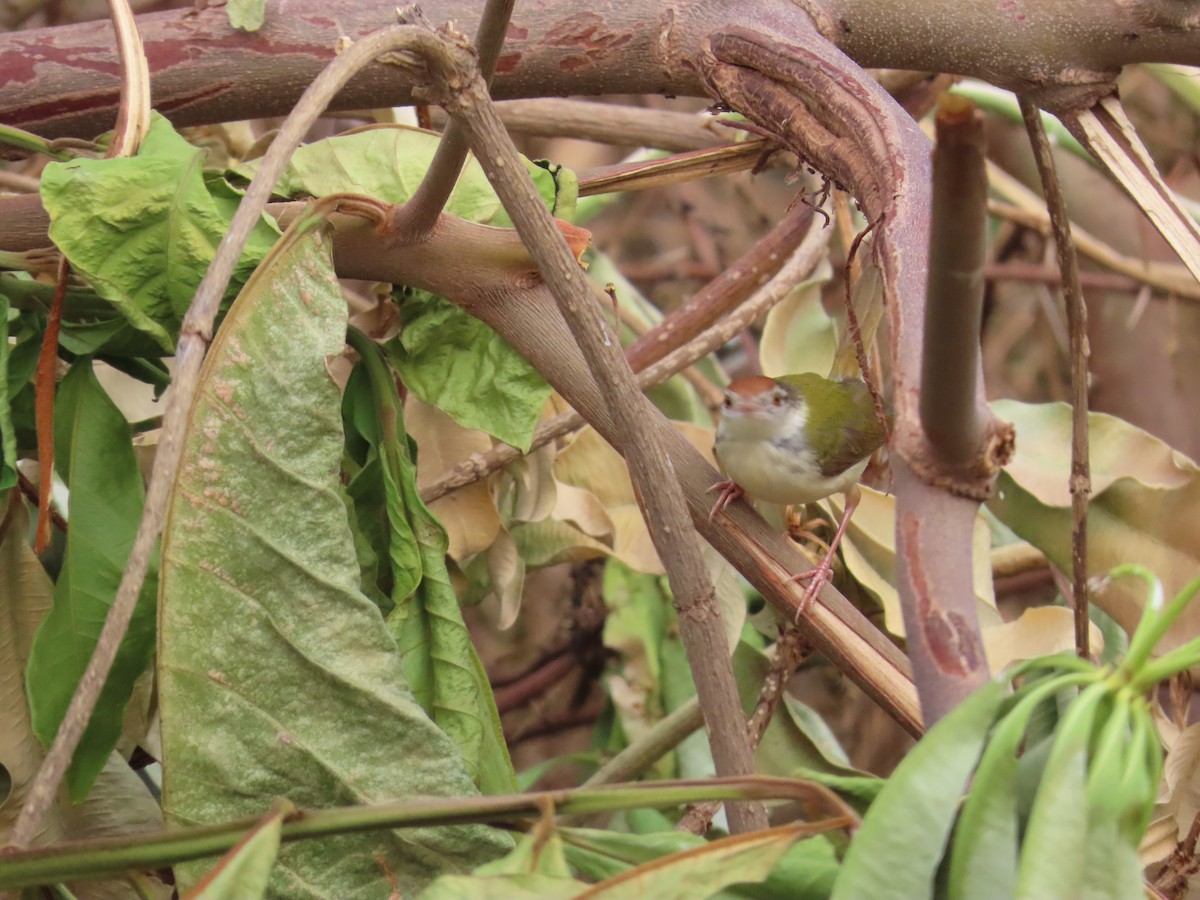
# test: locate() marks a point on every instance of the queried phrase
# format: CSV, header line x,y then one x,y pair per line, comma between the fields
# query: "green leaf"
x,y
440,661
143,229
389,162
445,356
248,15
118,803
534,870
1055,843
983,857
243,872
896,852
456,362
94,455
277,676
807,871
8,435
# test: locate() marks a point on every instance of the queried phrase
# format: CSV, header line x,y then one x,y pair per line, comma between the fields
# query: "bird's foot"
x,y
815,578
730,491
802,530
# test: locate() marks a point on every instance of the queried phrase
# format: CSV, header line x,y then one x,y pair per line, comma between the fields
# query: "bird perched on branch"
x,y
797,439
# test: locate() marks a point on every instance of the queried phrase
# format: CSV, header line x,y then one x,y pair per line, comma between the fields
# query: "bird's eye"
x,y
728,402
777,399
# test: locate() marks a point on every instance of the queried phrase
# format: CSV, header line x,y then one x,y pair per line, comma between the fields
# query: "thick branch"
x,y
63,81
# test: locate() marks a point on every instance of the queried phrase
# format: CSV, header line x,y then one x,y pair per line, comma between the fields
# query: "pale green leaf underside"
x,y
278,676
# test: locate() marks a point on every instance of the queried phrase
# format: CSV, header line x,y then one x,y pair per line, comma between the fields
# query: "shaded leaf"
x,y
277,676
95,457
440,662
118,803
143,229
798,335
1145,506
703,870
469,514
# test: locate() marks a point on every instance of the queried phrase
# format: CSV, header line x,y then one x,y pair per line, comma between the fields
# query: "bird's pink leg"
x,y
730,491
818,576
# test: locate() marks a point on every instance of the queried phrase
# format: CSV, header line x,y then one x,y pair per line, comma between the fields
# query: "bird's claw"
x,y
816,578
730,491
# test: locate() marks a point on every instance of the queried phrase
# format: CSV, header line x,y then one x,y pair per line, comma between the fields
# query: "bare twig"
x,y
790,650
193,342
1181,865
423,208
654,481
1068,263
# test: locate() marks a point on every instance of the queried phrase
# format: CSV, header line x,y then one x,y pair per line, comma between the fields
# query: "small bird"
x,y
796,439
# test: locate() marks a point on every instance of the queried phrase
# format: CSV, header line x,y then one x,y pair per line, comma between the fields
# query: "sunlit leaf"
x,y
1040,631
278,678
248,15
143,229
390,161
459,364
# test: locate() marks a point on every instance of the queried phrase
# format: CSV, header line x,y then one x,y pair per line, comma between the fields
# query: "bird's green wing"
x,y
852,433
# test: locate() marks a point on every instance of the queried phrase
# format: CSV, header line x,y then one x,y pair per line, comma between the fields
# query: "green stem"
x,y
1151,627
94,859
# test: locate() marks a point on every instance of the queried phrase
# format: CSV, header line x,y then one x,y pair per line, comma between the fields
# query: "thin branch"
x,y
418,215
1029,210
194,338
790,651
1068,264
654,481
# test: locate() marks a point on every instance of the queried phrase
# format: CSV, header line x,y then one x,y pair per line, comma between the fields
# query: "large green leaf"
x,y
278,677
896,852
95,457
143,229
1145,505
439,659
